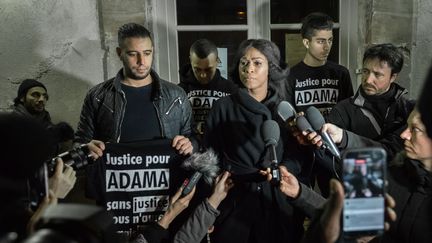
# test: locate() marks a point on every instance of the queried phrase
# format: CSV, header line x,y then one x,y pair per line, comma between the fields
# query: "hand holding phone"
x,y
364,175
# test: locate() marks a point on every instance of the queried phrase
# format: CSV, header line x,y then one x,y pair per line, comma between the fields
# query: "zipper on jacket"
x,y
98,100
159,120
121,116
178,99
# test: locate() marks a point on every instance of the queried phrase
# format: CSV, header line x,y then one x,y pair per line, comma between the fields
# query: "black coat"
x,y
254,210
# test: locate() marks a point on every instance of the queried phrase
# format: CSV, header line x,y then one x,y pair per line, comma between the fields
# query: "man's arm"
x,y
85,129
302,196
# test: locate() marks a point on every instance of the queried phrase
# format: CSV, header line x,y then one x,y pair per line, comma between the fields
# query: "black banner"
x,y
137,181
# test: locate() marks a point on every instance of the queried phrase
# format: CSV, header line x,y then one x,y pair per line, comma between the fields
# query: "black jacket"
x,y
104,107
367,128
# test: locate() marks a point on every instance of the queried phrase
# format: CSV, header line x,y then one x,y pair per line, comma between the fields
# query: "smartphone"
x,y
364,176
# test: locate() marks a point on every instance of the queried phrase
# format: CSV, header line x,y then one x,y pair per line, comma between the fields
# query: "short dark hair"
x,y
132,30
386,52
278,70
315,21
202,48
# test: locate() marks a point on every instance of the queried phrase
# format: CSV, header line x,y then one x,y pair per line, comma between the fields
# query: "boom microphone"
x,y
205,165
271,134
317,121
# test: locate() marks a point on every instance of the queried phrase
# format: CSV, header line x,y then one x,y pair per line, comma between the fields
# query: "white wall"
x,y
56,42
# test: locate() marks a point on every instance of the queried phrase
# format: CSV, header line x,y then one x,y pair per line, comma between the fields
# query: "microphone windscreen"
x,y
270,132
285,110
303,124
206,163
315,118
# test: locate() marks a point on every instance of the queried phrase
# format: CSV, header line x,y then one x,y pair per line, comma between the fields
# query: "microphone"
x,y
317,121
271,133
286,111
205,165
303,124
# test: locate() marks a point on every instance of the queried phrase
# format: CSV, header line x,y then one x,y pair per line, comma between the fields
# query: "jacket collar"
x,y
359,100
156,92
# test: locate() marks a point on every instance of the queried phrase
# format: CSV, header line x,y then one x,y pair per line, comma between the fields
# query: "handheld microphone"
x,y
205,165
303,124
317,121
285,111
271,134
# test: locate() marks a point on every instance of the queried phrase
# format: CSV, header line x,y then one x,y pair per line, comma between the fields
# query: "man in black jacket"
x,y
377,113
202,81
135,105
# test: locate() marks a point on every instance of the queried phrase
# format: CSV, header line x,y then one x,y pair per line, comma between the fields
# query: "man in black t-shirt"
x,y
315,81
135,105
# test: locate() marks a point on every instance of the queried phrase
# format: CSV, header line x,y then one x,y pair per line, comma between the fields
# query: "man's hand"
x,y
177,205
289,184
62,181
96,148
335,132
220,190
330,219
182,144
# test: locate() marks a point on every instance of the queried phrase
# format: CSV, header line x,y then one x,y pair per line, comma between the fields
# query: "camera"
x,y
77,158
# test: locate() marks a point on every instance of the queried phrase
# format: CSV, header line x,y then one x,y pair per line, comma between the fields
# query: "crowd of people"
x,y
141,196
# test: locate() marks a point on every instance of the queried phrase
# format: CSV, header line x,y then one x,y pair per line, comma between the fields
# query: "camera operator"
x,y
25,146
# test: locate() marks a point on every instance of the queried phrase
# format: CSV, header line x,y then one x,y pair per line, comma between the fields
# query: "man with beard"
x,y
31,100
136,104
376,115
202,81
30,103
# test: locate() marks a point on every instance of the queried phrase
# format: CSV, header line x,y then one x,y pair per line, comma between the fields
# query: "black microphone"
x,y
303,124
205,165
317,121
271,134
286,111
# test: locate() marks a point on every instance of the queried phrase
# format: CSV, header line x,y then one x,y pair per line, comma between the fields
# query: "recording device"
x,y
271,133
303,124
77,158
204,165
364,175
317,121
286,111
74,223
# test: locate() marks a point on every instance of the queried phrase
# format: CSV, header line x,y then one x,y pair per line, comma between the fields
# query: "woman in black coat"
x,y
255,210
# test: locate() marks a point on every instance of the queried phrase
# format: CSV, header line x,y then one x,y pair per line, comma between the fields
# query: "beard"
x,y
133,74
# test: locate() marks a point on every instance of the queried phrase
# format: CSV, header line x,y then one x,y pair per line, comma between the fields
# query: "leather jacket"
x,y
104,106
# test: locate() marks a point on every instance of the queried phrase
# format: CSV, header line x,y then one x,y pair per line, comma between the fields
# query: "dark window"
x,y
288,12
211,12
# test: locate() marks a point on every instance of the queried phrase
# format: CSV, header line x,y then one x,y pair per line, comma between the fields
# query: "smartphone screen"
x,y
364,174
